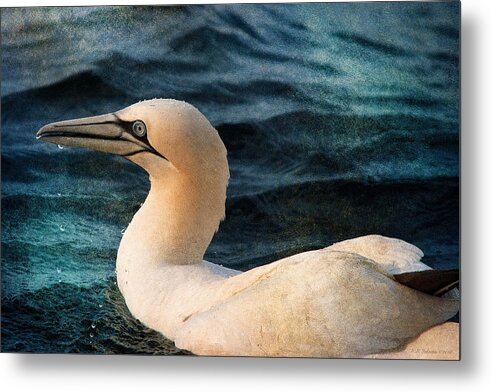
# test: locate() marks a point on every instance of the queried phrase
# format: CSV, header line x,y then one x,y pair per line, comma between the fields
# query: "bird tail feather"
x,y
433,282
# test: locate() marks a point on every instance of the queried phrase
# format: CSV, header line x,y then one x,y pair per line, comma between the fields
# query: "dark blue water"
x,y
340,120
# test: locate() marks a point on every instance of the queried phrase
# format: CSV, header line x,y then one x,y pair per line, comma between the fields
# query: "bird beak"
x,y
106,133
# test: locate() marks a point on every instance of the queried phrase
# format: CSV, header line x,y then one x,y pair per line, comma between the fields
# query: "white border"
x,y
474,373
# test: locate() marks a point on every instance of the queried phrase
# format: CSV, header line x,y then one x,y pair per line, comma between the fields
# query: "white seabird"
x,y
345,300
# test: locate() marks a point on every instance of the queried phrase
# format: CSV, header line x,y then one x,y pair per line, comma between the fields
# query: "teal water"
x,y
340,120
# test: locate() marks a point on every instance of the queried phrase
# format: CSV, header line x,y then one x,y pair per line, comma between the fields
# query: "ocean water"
x,y
340,120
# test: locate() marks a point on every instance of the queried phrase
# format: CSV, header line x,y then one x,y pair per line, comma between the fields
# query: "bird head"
x,y
158,135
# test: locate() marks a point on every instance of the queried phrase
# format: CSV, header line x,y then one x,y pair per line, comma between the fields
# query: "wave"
x,y
333,192
316,214
369,44
346,141
85,84
103,209
446,31
67,318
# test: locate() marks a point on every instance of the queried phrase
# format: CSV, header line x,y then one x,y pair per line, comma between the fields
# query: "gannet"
x,y
352,299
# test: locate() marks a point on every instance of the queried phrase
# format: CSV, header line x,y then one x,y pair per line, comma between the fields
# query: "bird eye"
x,y
139,128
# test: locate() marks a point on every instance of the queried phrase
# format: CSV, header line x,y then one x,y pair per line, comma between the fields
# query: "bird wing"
x,y
320,303
393,255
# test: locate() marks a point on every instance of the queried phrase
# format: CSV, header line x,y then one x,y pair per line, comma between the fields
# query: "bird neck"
x,y
177,220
